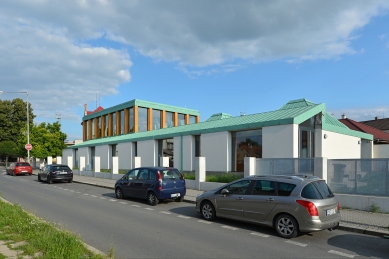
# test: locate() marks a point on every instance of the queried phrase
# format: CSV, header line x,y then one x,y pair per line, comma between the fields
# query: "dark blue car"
x,y
152,183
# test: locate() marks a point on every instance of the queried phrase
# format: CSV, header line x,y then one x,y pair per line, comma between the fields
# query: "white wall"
x,y
189,153
280,141
148,151
381,151
366,148
83,152
65,154
177,153
337,146
103,153
126,155
217,148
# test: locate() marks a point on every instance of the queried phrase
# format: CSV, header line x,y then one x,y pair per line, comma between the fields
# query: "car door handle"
x,y
270,199
240,198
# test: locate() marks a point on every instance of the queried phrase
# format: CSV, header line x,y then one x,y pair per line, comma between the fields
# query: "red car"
x,y
18,168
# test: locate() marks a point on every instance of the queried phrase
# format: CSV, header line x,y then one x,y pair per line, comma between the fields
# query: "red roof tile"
x,y
378,134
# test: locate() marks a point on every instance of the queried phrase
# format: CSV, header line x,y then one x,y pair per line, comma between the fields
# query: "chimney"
x,y
85,109
344,116
376,118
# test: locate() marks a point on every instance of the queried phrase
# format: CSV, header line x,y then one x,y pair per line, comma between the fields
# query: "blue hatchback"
x,y
152,183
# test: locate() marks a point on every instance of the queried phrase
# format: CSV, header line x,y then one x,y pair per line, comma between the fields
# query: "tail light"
x,y
309,206
338,206
159,181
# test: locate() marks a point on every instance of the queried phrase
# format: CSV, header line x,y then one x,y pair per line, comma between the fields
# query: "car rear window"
x,y
22,164
171,175
61,168
317,190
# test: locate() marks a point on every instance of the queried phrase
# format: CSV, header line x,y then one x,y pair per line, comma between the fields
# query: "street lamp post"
x,y
28,120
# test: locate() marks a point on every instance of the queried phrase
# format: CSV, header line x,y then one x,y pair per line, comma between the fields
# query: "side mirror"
x,y
225,192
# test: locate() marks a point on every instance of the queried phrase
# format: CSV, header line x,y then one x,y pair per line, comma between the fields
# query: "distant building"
x,y
381,124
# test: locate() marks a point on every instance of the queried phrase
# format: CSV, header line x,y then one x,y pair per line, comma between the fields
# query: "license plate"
x,y
63,172
330,212
175,195
24,171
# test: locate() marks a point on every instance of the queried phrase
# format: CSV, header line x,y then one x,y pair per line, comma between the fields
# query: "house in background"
x,y
381,138
381,124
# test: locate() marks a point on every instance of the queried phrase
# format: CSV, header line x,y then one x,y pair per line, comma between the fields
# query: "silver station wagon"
x,y
288,203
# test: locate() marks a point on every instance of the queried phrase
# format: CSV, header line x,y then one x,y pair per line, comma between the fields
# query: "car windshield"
x,y
171,175
317,190
22,164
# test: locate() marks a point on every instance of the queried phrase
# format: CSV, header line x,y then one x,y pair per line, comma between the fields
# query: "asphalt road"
x,y
171,230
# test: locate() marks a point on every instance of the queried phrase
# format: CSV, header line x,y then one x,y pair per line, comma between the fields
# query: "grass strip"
x,y
17,225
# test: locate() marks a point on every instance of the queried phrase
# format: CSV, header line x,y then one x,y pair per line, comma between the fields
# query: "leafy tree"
x,y
13,119
46,140
8,148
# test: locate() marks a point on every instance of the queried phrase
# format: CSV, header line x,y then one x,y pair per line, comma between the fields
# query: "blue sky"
x,y
211,56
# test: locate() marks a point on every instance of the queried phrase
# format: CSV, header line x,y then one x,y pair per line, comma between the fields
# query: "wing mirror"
x,y
225,192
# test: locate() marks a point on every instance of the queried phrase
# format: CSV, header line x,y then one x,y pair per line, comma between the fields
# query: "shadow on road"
x,y
363,245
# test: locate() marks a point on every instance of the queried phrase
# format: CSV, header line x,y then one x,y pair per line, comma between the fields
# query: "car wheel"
x,y
13,173
119,193
208,211
39,178
152,199
180,199
49,181
70,181
286,226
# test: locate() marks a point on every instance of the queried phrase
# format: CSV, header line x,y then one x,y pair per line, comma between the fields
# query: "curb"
x,y
365,231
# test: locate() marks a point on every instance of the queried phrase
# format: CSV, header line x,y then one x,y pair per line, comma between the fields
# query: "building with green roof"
x,y
149,131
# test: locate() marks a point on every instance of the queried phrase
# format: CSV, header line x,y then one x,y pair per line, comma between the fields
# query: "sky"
x,y
236,57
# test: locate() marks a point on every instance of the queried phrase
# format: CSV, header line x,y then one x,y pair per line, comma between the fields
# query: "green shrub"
x,y
189,175
374,208
224,178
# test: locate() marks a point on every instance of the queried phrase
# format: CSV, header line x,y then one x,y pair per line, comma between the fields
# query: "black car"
x,y
55,173
152,183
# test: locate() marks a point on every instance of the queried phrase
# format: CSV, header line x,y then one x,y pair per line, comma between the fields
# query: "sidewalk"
x,y
363,222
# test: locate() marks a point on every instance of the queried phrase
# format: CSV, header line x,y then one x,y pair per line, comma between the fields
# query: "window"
x,y
121,122
143,174
142,119
156,119
192,119
316,190
130,175
169,119
171,175
285,189
131,120
181,119
114,123
106,126
238,187
197,146
264,187
245,144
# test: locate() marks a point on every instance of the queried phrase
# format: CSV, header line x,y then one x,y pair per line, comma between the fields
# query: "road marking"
x,y
65,189
86,194
112,199
122,202
296,243
204,221
103,198
228,227
71,190
184,217
341,253
94,196
149,209
259,234
165,212
135,206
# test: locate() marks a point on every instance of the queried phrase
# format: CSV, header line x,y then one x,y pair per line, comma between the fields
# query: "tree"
x,y
13,119
46,139
8,148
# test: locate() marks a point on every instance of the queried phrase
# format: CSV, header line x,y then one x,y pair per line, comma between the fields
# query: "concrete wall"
x,y
339,146
189,153
381,151
280,141
148,151
103,153
83,152
177,148
217,148
126,155
366,148
65,154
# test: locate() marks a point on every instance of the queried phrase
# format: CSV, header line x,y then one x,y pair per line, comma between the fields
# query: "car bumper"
x,y
171,194
22,172
308,225
61,177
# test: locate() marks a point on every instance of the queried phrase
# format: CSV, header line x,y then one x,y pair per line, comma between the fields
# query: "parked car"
x,y
55,173
18,168
290,204
152,183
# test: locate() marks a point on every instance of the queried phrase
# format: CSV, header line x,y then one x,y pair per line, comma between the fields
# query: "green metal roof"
x,y
140,103
294,112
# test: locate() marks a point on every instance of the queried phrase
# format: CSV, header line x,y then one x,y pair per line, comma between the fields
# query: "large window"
x,y
165,149
114,123
156,119
181,119
169,119
245,144
106,126
131,120
99,127
142,119
307,136
86,129
122,122
93,128
192,119
197,146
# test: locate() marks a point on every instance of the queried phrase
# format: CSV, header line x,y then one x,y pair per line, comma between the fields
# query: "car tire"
x,y
39,178
119,193
208,211
180,199
286,226
13,173
152,199
49,181
70,181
